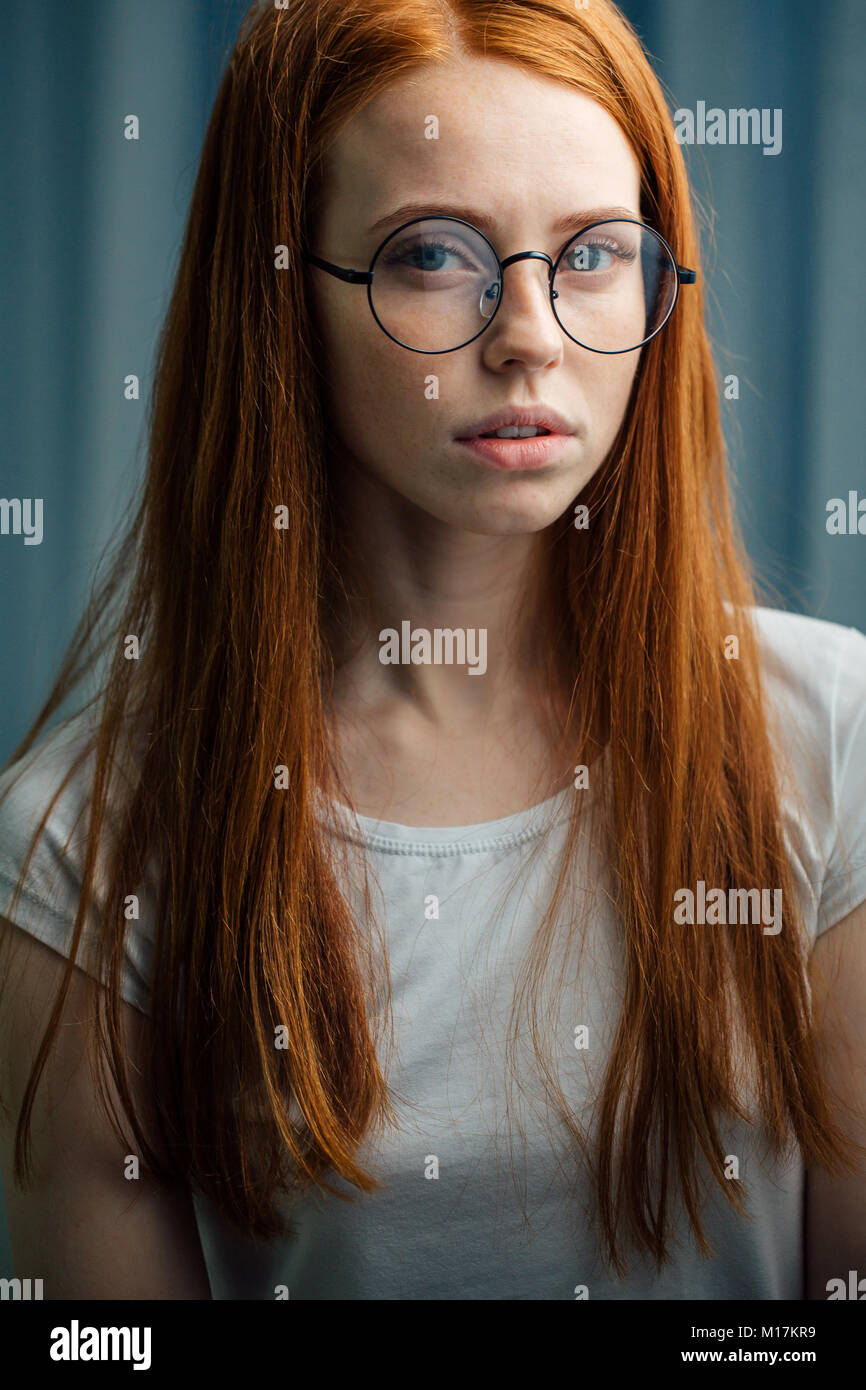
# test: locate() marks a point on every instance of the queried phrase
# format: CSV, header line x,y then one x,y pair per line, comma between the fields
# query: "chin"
x,y
507,521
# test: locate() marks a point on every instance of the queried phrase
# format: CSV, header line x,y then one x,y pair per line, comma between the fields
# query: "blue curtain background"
x,y
90,228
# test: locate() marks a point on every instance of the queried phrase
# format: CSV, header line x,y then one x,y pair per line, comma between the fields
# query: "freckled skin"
x,y
526,150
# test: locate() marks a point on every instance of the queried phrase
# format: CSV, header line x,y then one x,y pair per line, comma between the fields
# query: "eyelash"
x,y
602,243
612,246
400,251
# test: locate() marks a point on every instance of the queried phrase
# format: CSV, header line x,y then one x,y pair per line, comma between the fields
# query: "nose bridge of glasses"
x,y
527,256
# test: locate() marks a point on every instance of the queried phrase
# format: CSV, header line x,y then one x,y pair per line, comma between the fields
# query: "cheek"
x,y
374,390
341,340
610,394
339,328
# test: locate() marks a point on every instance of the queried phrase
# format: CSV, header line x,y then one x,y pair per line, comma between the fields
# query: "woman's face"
x,y
522,152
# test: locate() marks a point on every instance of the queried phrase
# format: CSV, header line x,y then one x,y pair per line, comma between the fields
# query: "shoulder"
x,y
27,788
814,675
811,662
43,899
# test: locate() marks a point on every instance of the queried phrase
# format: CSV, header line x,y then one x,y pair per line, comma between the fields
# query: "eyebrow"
x,y
485,224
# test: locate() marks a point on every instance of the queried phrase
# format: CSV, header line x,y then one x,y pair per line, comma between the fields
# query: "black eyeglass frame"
x,y
684,276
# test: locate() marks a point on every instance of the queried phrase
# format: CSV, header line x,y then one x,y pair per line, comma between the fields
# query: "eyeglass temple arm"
x,y
354,277
363,277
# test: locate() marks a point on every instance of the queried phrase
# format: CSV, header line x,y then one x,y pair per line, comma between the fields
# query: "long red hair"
x,y
232,616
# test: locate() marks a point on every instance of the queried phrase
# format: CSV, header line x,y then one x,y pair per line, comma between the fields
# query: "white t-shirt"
x,y
472,1206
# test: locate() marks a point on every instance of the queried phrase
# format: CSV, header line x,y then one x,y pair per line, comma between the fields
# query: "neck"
x,y
452,621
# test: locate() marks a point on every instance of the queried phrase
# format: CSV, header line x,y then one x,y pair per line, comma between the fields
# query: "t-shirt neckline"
x,y
479,837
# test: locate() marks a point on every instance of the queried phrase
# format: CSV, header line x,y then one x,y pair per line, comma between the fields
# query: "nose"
x,y
524,326
488,299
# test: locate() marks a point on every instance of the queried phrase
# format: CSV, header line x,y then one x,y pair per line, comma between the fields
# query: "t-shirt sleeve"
x,y
844,884
47,901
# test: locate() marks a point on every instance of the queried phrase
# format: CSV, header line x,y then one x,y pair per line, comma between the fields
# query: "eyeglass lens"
x,y
436,284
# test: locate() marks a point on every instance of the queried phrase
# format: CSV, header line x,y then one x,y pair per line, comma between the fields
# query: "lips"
x,y
517,455
515,432
542,417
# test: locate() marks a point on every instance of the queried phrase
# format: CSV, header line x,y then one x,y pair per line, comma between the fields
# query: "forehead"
x,y
507,138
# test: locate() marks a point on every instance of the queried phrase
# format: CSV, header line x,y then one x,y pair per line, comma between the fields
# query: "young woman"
x,y
454,839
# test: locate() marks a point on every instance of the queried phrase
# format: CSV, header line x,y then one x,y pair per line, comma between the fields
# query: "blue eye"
x,y
426,255
598,256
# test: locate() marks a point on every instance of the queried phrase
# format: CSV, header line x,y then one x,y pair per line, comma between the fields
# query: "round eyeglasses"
x,y
435,284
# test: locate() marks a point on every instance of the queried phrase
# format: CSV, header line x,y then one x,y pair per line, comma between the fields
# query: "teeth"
x,y
516,432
